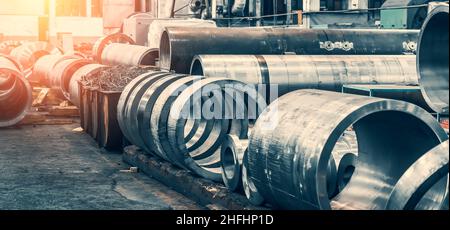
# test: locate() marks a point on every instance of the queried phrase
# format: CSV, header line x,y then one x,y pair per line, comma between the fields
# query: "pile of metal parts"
x,y
159,112
310,149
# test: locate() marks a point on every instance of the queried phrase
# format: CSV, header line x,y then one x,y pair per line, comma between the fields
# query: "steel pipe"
x,y
292,141
159,25
15,93
250,190
179,46
131,55
44,66
89,69
28,53
231,156
104,41
293,72
432,60
224,95
62,72
428,173
152,115
7,46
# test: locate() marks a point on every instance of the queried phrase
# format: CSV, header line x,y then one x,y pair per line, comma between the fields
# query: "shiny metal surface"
x,y
432,60
62,72
205,160
151,116
124,101
88,69
430,172
231,157
131,55
293,72
250,190
179,45
292,141
15,93
104,41
30,52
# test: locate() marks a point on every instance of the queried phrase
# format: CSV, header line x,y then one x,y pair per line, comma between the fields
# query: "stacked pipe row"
x,y
163,113
15,92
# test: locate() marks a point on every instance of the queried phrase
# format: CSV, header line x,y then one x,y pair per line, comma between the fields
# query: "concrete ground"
x,y
60,168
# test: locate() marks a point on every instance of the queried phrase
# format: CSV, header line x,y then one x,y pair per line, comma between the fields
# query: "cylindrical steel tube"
x,y
432,60
430,172
89,69
231,157
180,45
293,72
104,41
292,141
15,93
28,53
62,73
158,26
44,66
131,55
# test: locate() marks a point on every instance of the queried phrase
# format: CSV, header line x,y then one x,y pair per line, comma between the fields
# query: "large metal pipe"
x,y
28,53
180,45
89,69
425,184
104,41
432,60
62,73
292,141
159,25
293,72
131,55
43,67
15,93
231,159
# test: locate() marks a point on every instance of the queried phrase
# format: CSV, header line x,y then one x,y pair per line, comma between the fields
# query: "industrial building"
x,y
224,105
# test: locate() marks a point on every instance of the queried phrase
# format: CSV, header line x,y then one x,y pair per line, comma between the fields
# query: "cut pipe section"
x,y
292,141
425,184
15,93
62,73
432,60
231,158
179,46
130,55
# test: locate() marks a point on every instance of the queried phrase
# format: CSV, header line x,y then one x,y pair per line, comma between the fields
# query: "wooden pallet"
x,y
208,193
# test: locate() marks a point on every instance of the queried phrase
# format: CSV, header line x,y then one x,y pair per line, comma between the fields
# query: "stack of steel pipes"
x,y
180,45
15,93
292,143
167,115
